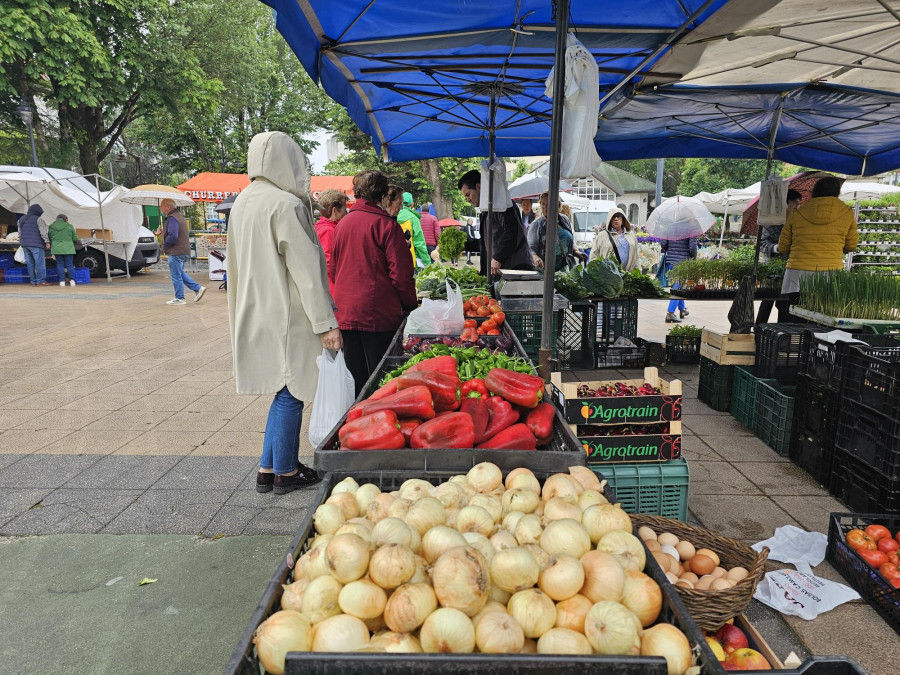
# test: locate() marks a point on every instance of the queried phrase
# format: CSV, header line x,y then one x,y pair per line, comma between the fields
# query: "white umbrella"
x,y
679,218
17,190
152,195
851,192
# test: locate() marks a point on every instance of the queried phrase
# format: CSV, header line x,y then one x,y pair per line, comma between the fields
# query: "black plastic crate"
x,y
774,415
824,361
871,376
575,348
861,487
870,584
716,382
616,318
817,407
871,438
683,348
778,351
528,328
611,356
812,452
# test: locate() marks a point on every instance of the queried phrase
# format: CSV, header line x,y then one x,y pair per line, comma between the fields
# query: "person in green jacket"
x,y
407,214
62,247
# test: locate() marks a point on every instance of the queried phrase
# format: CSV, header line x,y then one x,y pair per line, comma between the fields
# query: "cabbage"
x,y
602,278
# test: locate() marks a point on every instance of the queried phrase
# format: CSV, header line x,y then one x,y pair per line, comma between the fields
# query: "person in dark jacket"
x,y
677,251
372,272
177,246
62,245
509,245
34,243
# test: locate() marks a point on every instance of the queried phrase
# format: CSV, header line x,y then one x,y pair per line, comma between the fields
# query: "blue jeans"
x,y
179,278
37,266
64,261
675,304
281,443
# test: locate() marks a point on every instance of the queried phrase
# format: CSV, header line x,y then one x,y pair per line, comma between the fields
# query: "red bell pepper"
x,y
378,431
477,409
444,388
519,388
440,364
356,411
408,426
412,402
502,416
473,387
384,390
455,430
516,437
540,421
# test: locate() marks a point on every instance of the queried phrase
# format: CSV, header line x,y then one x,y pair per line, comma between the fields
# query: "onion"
x,y
520,499
415,541
530,647
561,485
378,508
396,643
426,513
484,477
420,576
320,599
460,480
362,599
415,489
642,596
586,478
364,496
320,540
348,485
328,518
481,543
558,509
610,628
499,633
375,624
391,531
499,595
292,594
534,611
489,606
627,548
450,494
667,641
341,633
346,501
283,632
528,529
503,540
450,515
399,508
447,630
475,519
590,498
439,539
510,520
461,581
524,479
563,641
514,569
598,520
565,536
542,557
313,563
570,613
392,565
347,556
488,503
409,606
361,531
604,577
562,579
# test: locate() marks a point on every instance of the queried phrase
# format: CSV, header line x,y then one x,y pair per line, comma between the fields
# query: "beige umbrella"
x,y
152,195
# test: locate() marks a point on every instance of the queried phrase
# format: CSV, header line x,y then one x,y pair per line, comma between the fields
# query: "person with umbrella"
x,y
676,251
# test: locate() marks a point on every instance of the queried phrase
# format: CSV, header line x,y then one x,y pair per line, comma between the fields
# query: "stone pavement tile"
x,y
199,388
64,419
249,420
782,478
195,421
231,521
230,404
14,501
42,401
105,375
162,402
157,442
10,419
102,401
227,389
123,473
75,511
6,399
158,376
811,512
231,444
692,406
96,442
142,387
24,441
213,473
6,460
24,386
94,363
208,375
132,420
82,387
747,517
719,478
44,471
740,449
276,521
169,512
703,425
693,448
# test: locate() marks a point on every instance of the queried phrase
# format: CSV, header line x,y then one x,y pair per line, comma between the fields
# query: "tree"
x,y
714,175
646,169
522,167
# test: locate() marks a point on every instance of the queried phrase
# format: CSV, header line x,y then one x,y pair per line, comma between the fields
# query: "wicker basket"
x,y
711,609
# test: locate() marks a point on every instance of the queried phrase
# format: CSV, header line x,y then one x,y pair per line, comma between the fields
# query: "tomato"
x,y
498,317
874,558
897,537
857,539
894,558
493,331
877,532
888,545
483,311
494,308
471,323
490,324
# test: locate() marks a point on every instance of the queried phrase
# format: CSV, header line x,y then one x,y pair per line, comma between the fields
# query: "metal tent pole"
x,y
559,98
724,225
770,156
103,229
489,233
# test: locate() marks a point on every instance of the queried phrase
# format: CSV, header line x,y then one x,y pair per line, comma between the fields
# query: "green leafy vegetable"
x,y
639,285
452,242
686,330
852,295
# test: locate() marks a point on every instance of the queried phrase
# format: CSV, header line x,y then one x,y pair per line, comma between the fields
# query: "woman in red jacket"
x,y
372,273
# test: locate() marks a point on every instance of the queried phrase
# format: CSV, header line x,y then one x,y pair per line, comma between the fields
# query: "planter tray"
x,y
631,449
825,320
727,294
728,349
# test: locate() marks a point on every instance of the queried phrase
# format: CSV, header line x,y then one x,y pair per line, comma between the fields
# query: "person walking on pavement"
x,y
177,246
34,243
767,244
418,237
676,251
62,245
333,204
279,308
430,229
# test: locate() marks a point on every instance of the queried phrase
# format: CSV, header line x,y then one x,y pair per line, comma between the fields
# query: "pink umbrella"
x,y
447,222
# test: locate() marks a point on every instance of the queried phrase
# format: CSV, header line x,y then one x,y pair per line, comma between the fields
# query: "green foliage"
x,y
639,285
646,169
743,253
852,295
465,276
686,330
725,274
597,279
522,167
714,175
451,242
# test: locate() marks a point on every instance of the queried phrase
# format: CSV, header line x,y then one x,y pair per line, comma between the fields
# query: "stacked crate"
x,y
719,355
618,318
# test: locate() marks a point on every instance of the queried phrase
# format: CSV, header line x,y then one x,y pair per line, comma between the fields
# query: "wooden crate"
x,y
731,349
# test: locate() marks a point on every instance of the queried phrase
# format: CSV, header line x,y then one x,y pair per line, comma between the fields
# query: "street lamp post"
x,y
26,112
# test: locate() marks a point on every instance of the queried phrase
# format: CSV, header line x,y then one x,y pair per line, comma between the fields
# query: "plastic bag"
x,y
772,202
794,545
20,255
800,593
438,317
334,396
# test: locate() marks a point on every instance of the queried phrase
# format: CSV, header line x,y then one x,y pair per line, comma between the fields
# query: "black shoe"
x,y
303,478
264,481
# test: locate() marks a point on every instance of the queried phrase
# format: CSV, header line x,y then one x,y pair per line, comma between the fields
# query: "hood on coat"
x,y
822,210
617,211
276,157
35,210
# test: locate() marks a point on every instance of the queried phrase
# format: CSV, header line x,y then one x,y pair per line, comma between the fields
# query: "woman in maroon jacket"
x,y
372,273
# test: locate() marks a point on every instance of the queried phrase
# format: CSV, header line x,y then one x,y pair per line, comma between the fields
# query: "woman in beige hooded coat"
x,y
279,306
617,241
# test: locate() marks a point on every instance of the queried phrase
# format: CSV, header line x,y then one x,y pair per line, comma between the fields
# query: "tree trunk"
x,y
443,207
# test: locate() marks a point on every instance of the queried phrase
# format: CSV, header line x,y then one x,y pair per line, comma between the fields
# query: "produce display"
x,y
688,567
451,242
639,285
472,361
725,275
475,564
432,280
879,549
731,647
851,295
685,330
617,389
417,344
597,279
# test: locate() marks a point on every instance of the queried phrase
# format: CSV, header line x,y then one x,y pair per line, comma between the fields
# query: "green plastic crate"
x,y
527,327
743,396
658,489
716,383
774,415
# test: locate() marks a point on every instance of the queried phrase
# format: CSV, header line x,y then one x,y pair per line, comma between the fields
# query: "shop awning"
x,y
216,187
319,184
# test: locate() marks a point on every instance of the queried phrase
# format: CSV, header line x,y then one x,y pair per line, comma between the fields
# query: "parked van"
x,y
587,223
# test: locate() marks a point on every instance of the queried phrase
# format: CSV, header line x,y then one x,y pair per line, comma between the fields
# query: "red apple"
x,y
729,666
888,545
748,659
732,638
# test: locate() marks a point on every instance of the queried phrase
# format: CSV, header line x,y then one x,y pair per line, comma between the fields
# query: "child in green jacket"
x,y
62,245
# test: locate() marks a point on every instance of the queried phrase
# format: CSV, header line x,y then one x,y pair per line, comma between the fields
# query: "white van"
x,y
587,223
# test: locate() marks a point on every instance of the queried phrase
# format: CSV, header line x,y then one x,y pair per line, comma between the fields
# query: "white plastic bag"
x,y
438,317
334,396
20,255
772,202
502,200
793,545
800,593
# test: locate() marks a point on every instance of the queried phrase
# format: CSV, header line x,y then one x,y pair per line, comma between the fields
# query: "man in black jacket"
x,y
509,245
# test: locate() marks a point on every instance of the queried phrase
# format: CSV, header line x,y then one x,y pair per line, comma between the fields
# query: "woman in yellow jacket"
x,y
817,235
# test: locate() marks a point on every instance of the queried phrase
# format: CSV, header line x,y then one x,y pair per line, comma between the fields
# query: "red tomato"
x,y
877,532
888,545
897,537
493,331
494,308
894,558
490,324
498,317
890,570
874,558
483,311
857,539
471,323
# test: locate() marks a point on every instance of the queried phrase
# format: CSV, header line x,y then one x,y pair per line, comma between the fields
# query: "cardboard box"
x,y
637,448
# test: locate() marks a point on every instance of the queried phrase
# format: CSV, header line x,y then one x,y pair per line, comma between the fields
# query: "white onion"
x,y
528,529
563,641
346,501
420,576
450,494
374,625
461,580
313,563
561,485
409,606
440,539
514,569
378,508
415,541
426,513
399,508
320,540
349,484
396,643
475,519
489,606
610,628
392,565
524,479
347,556
460,480
534,611
627,549
542,557
604,577
283,632
559,509
341,633
642,596
416,488
447,630
585,477
510,520
502,540
598,520
498,633
292,594
590,498
328,518
666,640
562,579
362,599
530,647
450,515
570,613
484,477
520,499
499,595
361,531
391,531
565,536
364,496
481,543
320,599
488,503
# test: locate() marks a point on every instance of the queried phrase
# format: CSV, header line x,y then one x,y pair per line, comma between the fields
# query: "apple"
x,y
716,647
748,659
732,638
726,665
